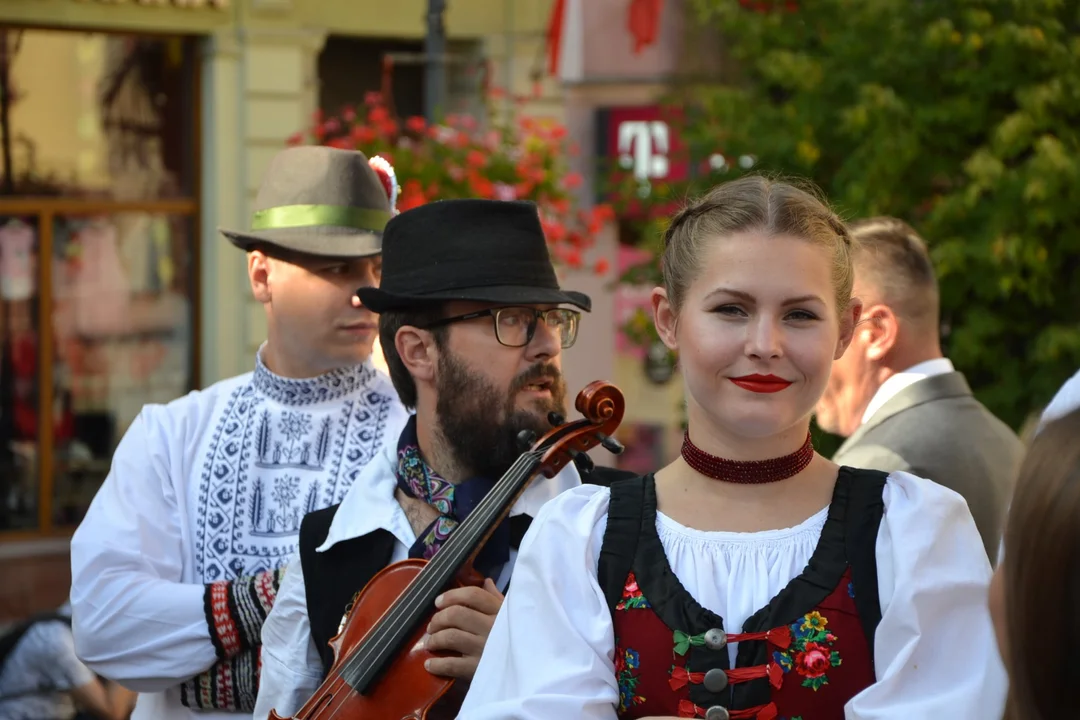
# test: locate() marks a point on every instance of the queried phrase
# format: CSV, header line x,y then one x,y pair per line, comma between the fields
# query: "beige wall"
x,y
260,85
401,18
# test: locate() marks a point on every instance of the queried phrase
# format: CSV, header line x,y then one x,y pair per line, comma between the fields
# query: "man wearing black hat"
x,y
179,557
472,326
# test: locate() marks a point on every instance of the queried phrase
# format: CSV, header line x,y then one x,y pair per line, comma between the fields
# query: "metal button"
x,y
716,639
717,712
715,680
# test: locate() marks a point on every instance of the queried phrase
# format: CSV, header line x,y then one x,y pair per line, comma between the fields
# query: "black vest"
x,y
333,578
858,492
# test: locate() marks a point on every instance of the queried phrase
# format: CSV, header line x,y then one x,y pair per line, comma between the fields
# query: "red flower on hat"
x,y
385,171
503,158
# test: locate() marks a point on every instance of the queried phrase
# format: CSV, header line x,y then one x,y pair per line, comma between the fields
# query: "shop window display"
x,y
98,257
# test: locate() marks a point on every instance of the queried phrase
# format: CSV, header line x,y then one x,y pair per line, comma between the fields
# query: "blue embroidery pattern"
x,y
274,456
292,445
297,393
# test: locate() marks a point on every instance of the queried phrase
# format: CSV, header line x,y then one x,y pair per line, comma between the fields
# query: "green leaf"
x,y
963,118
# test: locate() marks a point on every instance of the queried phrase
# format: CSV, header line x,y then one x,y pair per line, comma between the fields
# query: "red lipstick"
x,y
761,383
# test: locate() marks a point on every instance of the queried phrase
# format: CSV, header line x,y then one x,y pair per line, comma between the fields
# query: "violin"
x,y
378,671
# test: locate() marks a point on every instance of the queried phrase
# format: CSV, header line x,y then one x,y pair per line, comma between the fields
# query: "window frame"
x,y
46,210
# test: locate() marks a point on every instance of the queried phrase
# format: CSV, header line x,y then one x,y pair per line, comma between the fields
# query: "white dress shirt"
x,y
291,666
550,653
892,387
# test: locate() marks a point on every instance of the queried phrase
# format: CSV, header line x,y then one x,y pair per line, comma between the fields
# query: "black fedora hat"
x,y
320,201
484,250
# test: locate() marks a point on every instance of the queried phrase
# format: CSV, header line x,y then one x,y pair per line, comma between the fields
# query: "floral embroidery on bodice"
x,y
801,657
814,664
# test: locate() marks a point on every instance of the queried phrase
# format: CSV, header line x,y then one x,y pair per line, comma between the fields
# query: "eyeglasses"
x,y
515,326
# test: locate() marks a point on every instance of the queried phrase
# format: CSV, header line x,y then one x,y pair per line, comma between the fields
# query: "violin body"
x,y
378,671
385,701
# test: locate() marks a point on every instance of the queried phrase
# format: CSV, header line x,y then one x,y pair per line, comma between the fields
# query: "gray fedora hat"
x,y
320,201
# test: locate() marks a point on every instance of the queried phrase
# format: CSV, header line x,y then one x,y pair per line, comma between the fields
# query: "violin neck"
x,y
468,537
380,645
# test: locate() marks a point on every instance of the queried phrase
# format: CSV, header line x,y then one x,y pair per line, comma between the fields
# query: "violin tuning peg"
x,y
583,462
556,419
611,444
525,440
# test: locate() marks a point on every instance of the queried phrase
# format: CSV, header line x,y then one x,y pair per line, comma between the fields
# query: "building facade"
x,y
132,129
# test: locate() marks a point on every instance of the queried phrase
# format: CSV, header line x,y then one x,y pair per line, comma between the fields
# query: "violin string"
x,y
383,639
424,587
383,633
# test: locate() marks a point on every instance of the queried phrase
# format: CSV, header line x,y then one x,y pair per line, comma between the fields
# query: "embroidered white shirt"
x,y
291,667
902,380
551,651
211,487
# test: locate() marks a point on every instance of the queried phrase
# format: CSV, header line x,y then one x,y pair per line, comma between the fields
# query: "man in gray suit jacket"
x,y
900,403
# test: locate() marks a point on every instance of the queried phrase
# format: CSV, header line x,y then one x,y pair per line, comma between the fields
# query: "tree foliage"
x,y
960,116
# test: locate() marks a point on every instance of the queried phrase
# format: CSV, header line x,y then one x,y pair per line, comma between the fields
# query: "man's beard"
x,y
480,423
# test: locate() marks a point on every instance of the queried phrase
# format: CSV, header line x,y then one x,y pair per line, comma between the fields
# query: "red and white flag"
x,y
566,39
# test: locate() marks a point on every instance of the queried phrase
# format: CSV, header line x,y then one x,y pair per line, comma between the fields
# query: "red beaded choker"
x,y
748,472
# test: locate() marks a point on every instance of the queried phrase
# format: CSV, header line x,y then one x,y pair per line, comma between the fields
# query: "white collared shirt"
x,y
291,666
211,487
902,380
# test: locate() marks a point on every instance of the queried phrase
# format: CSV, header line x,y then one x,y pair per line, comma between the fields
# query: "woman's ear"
x,y
665,317
848,322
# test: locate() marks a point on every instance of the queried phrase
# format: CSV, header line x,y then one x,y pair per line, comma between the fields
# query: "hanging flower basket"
x,y
524,158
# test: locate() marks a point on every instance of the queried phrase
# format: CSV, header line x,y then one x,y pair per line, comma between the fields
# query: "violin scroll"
x,y
603,406
601,402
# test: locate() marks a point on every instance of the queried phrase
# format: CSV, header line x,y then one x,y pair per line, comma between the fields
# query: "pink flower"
x,y
503,191
813,661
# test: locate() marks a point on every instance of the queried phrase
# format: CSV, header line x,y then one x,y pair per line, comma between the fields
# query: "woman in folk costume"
x,y
178,560
750,578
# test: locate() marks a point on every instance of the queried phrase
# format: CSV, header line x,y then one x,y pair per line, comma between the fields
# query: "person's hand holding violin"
x,y
461,625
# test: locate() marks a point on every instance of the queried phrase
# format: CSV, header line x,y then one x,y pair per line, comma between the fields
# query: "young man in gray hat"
x,y
473,331
179,557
